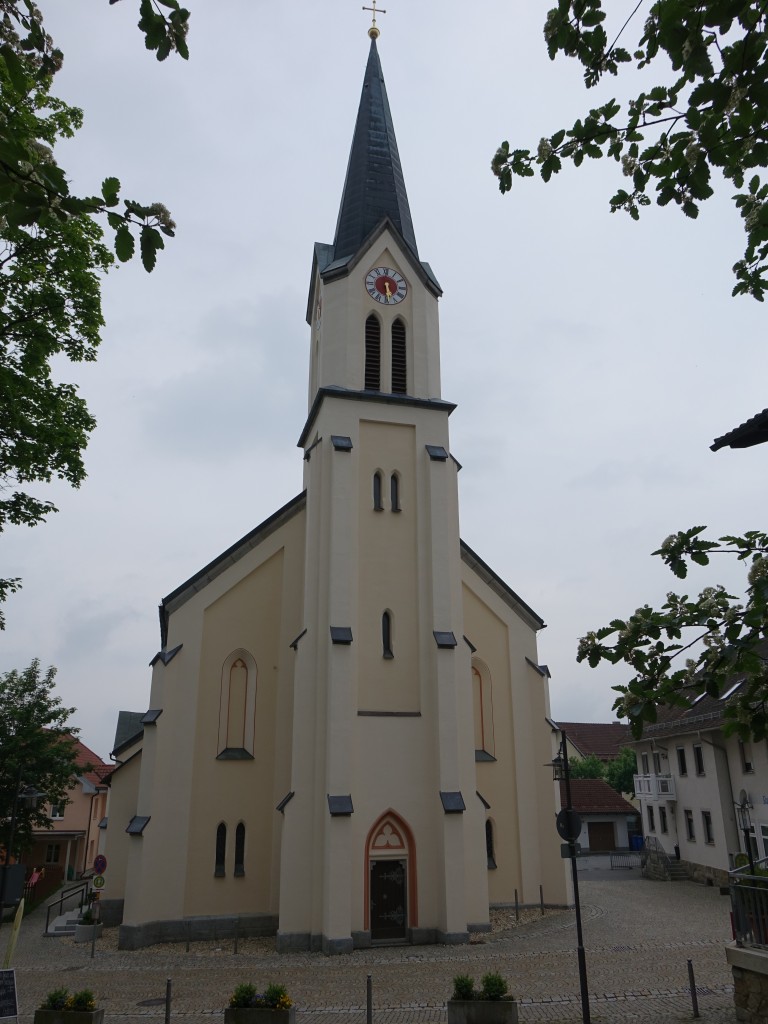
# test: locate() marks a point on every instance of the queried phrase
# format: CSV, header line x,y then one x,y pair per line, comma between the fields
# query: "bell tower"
x,y
383,836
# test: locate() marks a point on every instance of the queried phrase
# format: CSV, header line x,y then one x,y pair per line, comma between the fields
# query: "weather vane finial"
x,y
373,32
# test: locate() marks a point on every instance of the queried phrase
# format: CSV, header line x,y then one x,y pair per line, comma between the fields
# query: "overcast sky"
x,y
593,360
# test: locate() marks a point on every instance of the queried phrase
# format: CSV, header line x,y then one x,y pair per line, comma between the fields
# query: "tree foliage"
x,y
589,767
52,259
620,772
708,114
38,749
693,646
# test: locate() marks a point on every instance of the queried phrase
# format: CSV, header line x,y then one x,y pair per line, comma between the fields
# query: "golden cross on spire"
x,y
373,32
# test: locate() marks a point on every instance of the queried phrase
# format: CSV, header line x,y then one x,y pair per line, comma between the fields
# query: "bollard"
x,y
369,1000
692,983
541,899
97,919
237,933
168,1001
189,931
517,907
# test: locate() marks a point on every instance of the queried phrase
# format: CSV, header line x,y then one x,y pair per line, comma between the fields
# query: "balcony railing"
x,y
749,904
655,787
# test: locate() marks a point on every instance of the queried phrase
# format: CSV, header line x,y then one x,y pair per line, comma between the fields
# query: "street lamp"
x,y
745,824
27,798
569,829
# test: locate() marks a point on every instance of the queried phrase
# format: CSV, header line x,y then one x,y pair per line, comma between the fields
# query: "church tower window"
x,y
399,370
386,635
394,492
378,505
240,850
221,850
372,354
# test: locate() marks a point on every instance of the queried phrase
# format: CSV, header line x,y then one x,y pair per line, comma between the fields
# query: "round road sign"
x,y
98,882
100,864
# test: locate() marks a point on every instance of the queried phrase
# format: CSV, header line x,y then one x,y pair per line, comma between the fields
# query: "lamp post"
x,y
569,828
27,797
745,824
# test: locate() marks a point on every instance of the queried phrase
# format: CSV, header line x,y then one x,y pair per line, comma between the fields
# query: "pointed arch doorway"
x,y
390,880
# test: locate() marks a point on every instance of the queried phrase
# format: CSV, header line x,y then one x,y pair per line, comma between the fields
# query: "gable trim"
x,y
499,587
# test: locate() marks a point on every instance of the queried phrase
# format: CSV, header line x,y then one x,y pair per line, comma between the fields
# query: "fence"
x,y
749,904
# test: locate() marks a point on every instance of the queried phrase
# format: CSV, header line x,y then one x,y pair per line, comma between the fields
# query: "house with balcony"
x,y
703,795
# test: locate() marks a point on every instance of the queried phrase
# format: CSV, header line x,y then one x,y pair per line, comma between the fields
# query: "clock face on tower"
x,y
386,285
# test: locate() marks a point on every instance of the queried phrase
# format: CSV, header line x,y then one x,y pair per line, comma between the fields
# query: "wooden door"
x,y
389,900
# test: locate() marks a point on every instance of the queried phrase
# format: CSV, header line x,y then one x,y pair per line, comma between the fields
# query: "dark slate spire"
x,y
374,187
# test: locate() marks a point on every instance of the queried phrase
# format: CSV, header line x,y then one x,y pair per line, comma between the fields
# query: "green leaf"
x,y
110,189
124,244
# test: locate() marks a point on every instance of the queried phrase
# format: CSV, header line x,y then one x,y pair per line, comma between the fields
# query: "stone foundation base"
x,y
246,926
750,981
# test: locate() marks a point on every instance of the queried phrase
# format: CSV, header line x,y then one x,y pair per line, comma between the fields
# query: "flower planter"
x,y
84,933
69,1016
258,1015
482,1011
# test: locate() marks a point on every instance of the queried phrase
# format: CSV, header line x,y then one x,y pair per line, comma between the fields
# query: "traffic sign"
x,y
100,864
98,882
568,824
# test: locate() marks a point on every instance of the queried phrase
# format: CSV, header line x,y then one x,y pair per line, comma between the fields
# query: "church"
x,y
348,728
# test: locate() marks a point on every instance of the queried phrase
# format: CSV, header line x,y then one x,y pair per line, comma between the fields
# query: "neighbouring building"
x,y
601,739
694,785
348,724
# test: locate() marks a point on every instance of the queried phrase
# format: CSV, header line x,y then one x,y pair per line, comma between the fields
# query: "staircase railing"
x,y
655,857
80,890
749,904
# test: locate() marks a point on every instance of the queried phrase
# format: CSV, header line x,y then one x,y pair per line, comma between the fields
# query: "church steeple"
x,y
374,187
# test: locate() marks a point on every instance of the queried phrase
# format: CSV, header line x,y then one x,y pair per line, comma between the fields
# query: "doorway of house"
x,y
389,900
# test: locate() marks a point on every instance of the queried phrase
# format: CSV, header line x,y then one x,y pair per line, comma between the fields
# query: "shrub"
x,y
274,997
463,987
493,986
55,1000
243,996
82,1001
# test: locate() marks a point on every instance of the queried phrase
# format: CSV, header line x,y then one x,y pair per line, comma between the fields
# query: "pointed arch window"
x,y
221,850
240,850
237,707
372,354
386,635
394,492
482,697
490,845
378,505
399,363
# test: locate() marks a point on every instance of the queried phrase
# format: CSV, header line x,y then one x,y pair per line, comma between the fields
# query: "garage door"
x,y
602,835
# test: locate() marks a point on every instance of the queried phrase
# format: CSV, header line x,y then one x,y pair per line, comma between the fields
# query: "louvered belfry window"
x,y
399,372
372,354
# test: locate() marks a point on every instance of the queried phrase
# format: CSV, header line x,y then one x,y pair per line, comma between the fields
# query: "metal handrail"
x,y
81,887
655,851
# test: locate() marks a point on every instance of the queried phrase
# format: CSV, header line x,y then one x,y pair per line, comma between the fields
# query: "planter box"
x,y
69,1016
84,933
482,1011
258,1015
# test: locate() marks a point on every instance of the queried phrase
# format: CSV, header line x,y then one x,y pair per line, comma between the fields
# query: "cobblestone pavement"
x,y
638,937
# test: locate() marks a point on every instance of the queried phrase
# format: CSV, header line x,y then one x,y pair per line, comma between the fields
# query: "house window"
x,y
57,810
651,819
657,763
764,835
394,492
644,761
52,853
709,835
399,373
745,752
689,829
663,819
386,635
240,850
377,502
682,766
489,843
698,758
221,850
372,354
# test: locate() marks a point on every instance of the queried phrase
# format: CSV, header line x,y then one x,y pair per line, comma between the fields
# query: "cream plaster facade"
x,y
310,762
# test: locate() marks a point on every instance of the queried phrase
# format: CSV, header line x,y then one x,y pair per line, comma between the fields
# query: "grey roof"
x,y
128,727
374,187
754,431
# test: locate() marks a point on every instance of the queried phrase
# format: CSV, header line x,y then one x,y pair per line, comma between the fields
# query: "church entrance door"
x,y
389,900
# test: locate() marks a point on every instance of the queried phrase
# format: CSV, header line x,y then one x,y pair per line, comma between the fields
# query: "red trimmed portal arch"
x,y
390,872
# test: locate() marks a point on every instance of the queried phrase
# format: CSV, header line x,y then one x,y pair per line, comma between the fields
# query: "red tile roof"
x,y
595,796
85,756
604,739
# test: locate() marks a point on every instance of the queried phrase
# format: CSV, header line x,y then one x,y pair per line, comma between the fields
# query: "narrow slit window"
x,y
221,850
394,492
399,370
378,505
240,850
386,635
489,843
372,354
